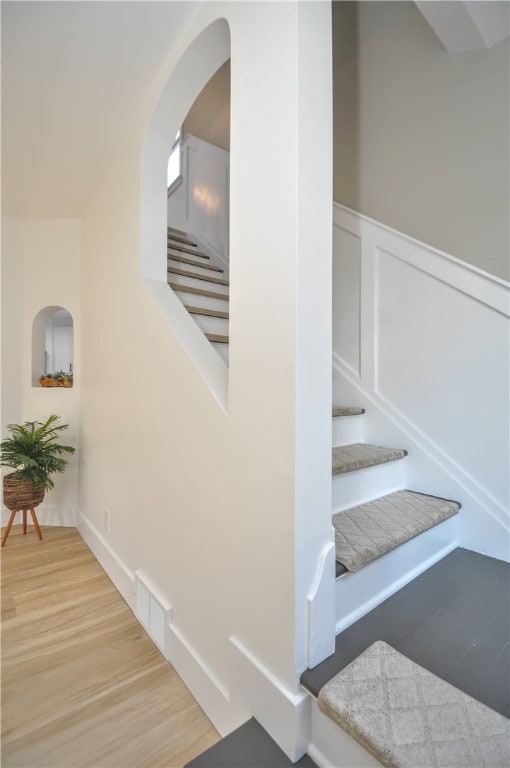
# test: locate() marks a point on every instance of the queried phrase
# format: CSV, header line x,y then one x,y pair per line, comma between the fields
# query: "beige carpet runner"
x,y
366,532
407,717
348,458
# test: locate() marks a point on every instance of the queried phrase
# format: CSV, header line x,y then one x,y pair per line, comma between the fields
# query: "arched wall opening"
x,y
198,178
53,345
204,56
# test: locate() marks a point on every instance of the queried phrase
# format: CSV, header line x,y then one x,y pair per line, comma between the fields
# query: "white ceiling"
x,y
73,77
468,26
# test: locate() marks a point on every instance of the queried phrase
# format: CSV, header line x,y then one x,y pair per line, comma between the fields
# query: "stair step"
x,y
198,291
347,410
217,337
347,458
182,239
177,231
185,249
209,312
427,715
371,530
196,276
193,263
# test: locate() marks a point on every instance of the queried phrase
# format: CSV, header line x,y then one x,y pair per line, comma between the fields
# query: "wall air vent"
x,y
153,613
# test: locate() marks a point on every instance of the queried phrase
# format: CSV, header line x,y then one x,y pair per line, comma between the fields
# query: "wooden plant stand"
x,y
11,520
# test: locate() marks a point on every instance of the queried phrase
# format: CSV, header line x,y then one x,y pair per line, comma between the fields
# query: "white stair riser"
x,y
353,488
205,285
211,324
330,745
222,350
347,430
359,592
193,300
192,268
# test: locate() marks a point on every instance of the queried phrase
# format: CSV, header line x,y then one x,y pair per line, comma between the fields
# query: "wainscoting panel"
x,y
346,292
442,363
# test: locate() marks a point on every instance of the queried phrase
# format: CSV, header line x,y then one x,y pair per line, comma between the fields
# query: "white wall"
x,y
47,273
421,135
209,117
210,502
200,204
12,320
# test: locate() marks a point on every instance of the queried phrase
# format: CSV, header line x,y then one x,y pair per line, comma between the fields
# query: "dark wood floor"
x,y
454,620
250,746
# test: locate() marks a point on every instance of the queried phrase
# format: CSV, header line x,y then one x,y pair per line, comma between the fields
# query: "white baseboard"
x,y
284,715
47,514
252,690
118,572
224,711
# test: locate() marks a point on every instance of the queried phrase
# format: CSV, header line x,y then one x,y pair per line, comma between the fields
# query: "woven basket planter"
x,y
21,494
48,381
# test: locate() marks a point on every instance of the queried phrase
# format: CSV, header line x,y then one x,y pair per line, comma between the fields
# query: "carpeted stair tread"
x,y
347,458
186,249
371,530
405,716
195,275
193,263
217,337
198,291
347,410
207,312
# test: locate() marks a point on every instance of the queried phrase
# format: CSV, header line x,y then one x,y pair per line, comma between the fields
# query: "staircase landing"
x,y
453,620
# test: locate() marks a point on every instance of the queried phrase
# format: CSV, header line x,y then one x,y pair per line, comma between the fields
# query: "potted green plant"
x,y
33,452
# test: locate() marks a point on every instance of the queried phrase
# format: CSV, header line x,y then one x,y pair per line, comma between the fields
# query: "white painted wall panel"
x,y
443,362
272,431
346,297
200,204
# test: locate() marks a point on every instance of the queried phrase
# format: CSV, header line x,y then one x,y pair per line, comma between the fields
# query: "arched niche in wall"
x,y
204,56
53,345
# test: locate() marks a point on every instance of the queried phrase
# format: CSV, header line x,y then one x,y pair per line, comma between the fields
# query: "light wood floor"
x,y
82,683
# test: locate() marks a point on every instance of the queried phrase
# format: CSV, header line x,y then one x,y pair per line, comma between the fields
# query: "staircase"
x,y
385,534
200,284
373,705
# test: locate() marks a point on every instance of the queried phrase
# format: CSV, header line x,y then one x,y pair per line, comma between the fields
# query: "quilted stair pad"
x,y
364,533
348,458
407,717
